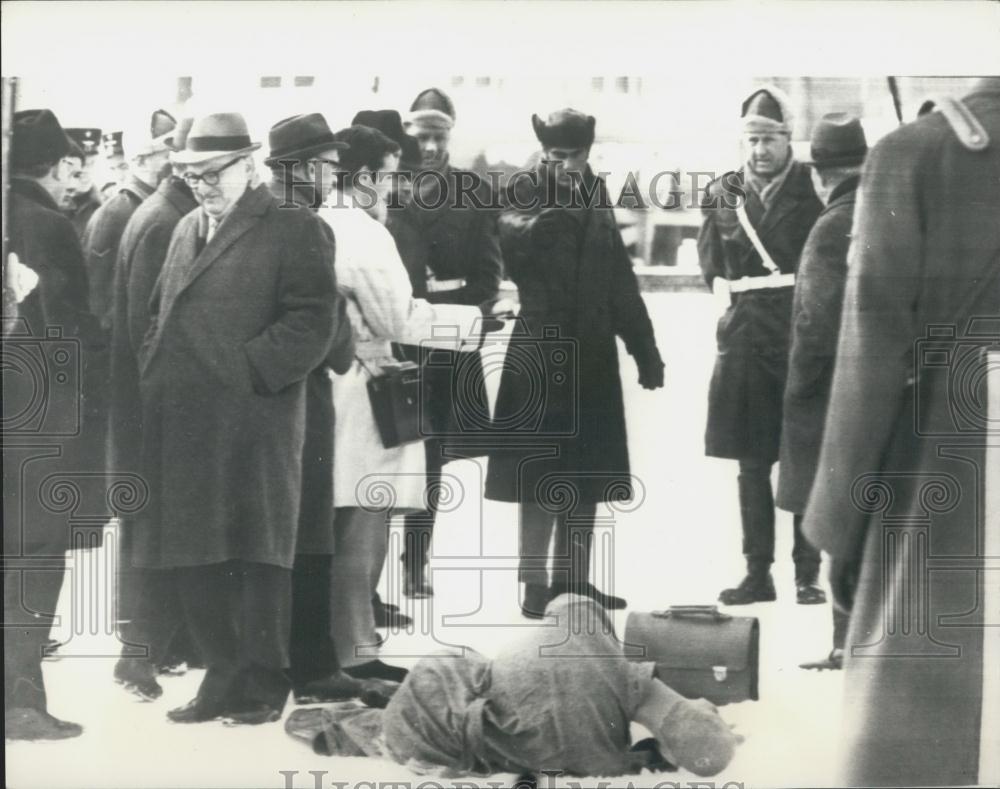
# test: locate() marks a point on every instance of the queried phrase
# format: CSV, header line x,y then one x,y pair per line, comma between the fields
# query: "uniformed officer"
x,y
447,238
113,154
756,222
902,504
82,197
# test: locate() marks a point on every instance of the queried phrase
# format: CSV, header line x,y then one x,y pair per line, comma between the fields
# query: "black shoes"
x,y
338,686
536,597
195,711
138,677
809,593
28,723
389,615
254,716
415,583
833,662
376,669
608,602
754,588
199,711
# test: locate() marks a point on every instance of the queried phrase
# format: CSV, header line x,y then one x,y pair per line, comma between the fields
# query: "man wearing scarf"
x,y
756,223
447,239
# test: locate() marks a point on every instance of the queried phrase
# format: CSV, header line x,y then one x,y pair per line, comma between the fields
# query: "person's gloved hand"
x,y
843,576
20,278
547,226
651,368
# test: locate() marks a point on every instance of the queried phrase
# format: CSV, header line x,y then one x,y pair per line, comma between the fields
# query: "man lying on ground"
x,y
557,699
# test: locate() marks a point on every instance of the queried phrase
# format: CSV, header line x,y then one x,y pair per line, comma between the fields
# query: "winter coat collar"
x,y
845,189
137,188
32,190
177,193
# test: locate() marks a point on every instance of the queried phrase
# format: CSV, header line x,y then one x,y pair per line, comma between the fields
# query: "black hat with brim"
x,y
838,141
37,138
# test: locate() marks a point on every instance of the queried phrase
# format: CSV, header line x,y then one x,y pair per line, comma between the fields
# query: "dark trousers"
x,y
570,537
29,603
239,616
840,623
156,616
311,647
757,518
418,527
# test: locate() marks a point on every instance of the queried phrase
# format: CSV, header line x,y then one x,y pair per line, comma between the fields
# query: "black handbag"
x,y
699,651
395,399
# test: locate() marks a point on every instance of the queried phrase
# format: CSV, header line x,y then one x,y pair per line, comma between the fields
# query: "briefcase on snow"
x,y
699,651
395,400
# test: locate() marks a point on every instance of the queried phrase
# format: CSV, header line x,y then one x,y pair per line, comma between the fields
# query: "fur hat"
x,y
433,109
37,138
767,110
566,128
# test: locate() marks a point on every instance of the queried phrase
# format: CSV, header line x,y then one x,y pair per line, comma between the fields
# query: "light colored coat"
x,y
382,310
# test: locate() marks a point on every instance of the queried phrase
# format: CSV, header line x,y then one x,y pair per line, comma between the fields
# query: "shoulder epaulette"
x,y
967,128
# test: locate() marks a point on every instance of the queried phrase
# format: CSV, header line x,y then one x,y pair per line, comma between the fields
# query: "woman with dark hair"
x,y
371,482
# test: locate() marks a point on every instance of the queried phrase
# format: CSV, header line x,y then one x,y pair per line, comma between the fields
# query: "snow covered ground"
x,y
681,545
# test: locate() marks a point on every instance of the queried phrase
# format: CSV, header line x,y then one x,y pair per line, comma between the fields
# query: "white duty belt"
x,y
743,284
776,279
439,285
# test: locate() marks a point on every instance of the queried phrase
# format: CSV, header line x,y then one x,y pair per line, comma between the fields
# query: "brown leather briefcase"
x,y
699,651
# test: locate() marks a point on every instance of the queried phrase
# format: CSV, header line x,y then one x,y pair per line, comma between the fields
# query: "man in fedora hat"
x,y
756,221
243,314
304,161
148,607
576,285
447,238
54,327
83,197
838,151
149,154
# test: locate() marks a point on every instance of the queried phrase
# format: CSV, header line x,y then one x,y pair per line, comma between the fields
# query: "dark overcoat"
x,y
239,326
449,233
560,415
141,254
819,293
101,240
49,403
316,511
748,382
902,474
82,209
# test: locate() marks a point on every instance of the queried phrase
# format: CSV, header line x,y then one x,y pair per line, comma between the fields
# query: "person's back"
x,y
905,435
